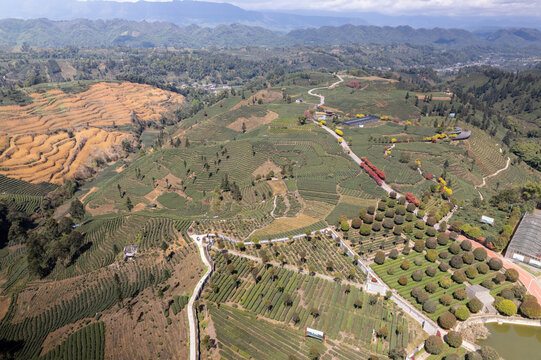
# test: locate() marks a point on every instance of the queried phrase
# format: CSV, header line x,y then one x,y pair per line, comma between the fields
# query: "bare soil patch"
x,y
266,167
286,224
253,121
278,187
5,301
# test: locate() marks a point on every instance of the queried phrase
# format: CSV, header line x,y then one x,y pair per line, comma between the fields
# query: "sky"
x,y
398,7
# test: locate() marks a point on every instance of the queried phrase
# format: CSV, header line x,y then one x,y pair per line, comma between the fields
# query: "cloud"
x,y
396,7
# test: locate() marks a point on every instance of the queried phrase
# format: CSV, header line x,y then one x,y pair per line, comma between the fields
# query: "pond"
x,y
514,342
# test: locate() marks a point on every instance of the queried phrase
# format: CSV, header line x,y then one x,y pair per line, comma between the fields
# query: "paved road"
x,y
344,144
192,321
527,279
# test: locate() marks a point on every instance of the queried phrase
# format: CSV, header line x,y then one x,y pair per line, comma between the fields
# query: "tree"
x,y
380,258
488,353
417,275
314,312
383,332
356,223
531,309
365,230
447,320
397,353
429,306
446,299
434,345
480,254
456,261
129,204
475,305
243,127
462,313
358,303
506,307
495,264
403,280
77,209
431,255
511,275
295,317
454,339
313,354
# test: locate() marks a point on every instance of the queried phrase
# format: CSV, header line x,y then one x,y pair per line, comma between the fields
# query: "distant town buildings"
x,y
130,251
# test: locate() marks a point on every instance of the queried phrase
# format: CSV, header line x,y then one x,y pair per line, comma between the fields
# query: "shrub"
x,y
376,226
443,238
444,254
462,313
495,264
431,231
511,275
365,230
460,294
405,264
431,271
379,258
422,297
475,305
403,280
368,219
520,291
430,306
389,213
454,248
466,245
459,276
456,261
452,357
431,243
383,332
487,283
356,223
431,255
488,353
471,272
445,282
416,291
506,307
434,345
397,230
419,246
388,224
480,254
379,216
431,287
446,299
417,275
499,278
447,320
390,271
393,254
531,309
443,267
507,294
453,339
482,268
468,257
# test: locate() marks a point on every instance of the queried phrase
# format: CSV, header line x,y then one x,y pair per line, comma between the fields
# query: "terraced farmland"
x,y
290,298
55,136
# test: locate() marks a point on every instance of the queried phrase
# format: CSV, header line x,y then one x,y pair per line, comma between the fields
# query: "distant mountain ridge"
x,y
103,33
180,13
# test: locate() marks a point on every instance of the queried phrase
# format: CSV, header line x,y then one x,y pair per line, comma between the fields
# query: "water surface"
x,y
514,342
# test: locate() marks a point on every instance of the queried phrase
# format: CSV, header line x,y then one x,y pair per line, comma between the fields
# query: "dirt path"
x,y
492,175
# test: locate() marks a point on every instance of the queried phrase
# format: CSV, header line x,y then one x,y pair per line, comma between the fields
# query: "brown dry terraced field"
x,y
55,135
